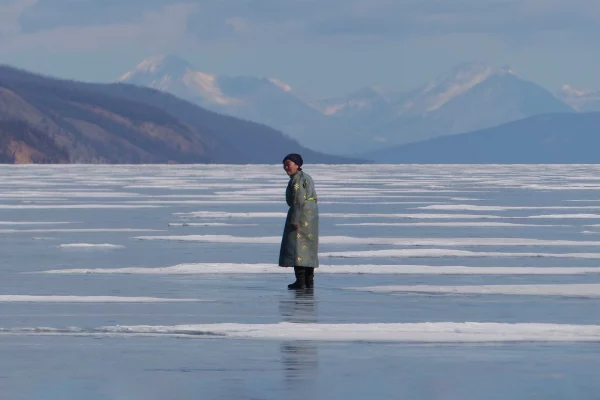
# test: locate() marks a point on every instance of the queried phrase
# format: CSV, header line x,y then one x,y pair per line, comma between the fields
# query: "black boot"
x,y
300,282
309,275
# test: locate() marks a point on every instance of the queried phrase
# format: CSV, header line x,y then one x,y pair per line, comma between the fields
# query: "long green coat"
x,y
299,248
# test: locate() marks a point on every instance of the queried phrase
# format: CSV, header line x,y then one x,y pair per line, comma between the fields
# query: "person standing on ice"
x,y
300,241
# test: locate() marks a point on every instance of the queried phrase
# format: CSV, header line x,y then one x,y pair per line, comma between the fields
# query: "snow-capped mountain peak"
x,y
269,101
174,74
280,84
362,100
159,65
506,70
569,90
466,98
580,99
444,88
464,75
207,85
438,92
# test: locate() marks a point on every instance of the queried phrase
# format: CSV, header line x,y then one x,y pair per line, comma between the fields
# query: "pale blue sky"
x,y
320,47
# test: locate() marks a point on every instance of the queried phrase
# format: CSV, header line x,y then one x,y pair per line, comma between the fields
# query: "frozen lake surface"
x,y
437,282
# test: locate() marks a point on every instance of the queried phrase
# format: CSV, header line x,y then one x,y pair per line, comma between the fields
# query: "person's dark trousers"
x,y
309,277
300,279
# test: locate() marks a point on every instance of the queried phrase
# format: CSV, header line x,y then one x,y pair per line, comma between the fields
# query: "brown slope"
x,y
97,128
236,141
98,123
20,143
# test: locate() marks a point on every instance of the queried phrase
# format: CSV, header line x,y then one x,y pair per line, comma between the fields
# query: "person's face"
x,y
290,167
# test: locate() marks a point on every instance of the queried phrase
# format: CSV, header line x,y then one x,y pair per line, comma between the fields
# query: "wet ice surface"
x,y
156,282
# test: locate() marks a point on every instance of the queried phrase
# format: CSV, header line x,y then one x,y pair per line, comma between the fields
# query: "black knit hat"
x,y
295,158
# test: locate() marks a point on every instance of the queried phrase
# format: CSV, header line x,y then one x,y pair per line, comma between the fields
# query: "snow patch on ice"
x,y
74,206
87,299
220,214
233,268
566,290
446,224
444,253
411,216
83,230
469,207
215,238
558,216
213,224
90,245
35,223
424,332
223,214
348,240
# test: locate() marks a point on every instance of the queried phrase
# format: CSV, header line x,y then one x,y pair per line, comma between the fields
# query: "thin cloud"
x,y
505,18
215,20
10,13
395,18
155,30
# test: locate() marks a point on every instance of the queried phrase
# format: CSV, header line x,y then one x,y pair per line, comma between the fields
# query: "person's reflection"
x,y
300,308
299,358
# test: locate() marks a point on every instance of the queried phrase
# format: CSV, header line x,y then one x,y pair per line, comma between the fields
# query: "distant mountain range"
x,y
542,139
166,111
467,98
44,120
267,101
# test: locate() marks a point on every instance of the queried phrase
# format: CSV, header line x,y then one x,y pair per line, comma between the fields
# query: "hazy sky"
x,y
319,47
